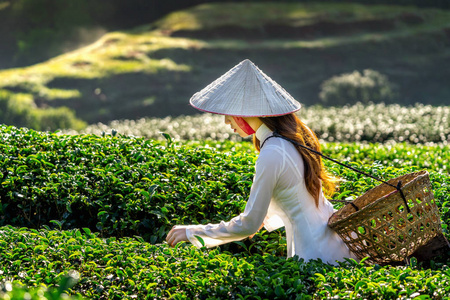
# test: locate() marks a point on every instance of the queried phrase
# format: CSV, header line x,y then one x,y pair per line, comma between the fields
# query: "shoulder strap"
x,y
398,187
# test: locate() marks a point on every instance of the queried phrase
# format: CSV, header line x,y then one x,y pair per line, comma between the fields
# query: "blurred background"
x,y
67,64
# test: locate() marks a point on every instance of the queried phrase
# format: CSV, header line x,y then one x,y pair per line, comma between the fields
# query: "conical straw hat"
x,y
245,91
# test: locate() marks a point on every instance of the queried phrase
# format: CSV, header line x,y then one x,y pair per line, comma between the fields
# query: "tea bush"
x,y
20,109
101,206
365,87
182,128
10,291
378,123
399,155
129,268
123,186
433,157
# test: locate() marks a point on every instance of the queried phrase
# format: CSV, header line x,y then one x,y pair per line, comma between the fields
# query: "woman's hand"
x,y
176,234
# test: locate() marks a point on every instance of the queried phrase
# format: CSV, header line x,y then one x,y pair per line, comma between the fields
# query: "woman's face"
x,y
229,120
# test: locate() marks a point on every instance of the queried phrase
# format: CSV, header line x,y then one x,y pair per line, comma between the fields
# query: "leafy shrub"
x,y
124,186
197,127
355,123
120,186
380,123
17,109
52,119
129,268
20,110
373,282
9,291
369,86
114,186
400,155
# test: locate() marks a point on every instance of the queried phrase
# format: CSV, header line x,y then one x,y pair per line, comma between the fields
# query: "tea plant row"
x,y
130,268
124,186
434,157
372,123
101,206
118,186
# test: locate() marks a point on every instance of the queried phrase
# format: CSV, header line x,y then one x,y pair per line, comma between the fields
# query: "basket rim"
x,y
333,223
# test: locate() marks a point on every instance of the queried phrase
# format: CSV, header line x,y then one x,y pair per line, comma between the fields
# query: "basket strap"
x,y
346,202
397,187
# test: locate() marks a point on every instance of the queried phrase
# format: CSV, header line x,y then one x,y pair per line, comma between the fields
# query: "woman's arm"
x,y
267,172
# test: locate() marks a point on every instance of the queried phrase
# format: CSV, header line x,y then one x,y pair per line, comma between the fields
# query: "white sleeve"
x,y
267,171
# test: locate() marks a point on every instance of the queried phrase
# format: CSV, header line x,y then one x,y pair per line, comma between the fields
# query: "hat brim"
x,y
245,115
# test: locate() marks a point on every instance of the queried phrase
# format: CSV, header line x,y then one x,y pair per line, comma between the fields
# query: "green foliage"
x,y
17,109
373,282
379,123
100,206
52,119
365,87
119,186
8,291
130,268
183,128
431,157
124,186
20,110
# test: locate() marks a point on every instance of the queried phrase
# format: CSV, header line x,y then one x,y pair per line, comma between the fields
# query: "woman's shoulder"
x,y
276,144
274,150
278,150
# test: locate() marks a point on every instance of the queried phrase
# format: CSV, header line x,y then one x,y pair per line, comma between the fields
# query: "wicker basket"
x,y
382,228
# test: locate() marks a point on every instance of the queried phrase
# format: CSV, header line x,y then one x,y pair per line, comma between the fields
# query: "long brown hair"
x,y
293,128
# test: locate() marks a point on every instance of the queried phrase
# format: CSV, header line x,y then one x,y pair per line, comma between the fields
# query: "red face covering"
x,y
244,125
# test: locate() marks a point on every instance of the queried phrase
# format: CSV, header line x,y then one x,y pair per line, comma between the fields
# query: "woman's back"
x,y
292,206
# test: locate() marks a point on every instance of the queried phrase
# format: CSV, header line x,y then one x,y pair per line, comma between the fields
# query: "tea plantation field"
x,y
87,214
351,123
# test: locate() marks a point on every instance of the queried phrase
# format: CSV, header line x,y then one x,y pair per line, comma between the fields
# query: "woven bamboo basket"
x,y
382,229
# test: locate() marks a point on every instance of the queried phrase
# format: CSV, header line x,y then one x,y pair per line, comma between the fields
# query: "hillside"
x,y
153,70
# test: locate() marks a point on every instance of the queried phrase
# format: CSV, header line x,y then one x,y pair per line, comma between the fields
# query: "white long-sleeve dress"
x,y
278,197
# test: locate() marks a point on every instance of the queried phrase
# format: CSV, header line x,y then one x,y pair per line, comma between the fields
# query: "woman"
x,y
287,187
